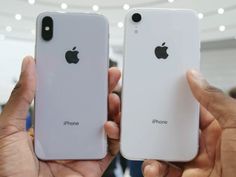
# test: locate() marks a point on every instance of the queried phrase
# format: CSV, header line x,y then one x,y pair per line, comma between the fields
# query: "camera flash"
x,y
47,28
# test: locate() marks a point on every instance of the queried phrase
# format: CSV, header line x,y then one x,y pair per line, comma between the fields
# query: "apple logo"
x,y
161,51
72,56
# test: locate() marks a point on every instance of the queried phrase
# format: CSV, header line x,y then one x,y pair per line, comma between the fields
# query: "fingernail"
x,y
197,76
24,65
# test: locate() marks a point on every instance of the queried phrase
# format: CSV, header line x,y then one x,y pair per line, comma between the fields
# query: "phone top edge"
x,y
192,11
42,14
163,9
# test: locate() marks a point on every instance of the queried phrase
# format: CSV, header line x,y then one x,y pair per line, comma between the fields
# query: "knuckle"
x,y
220,103
28,57
16,88
7,131
212,94
23,91
113,147
212,90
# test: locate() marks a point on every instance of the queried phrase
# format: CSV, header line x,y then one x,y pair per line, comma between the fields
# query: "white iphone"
x,y
72,86
160,117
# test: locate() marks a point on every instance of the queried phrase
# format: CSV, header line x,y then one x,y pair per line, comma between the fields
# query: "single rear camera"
x,y
136,17
47,28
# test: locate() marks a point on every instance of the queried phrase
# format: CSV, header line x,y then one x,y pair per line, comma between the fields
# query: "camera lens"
x,y
136,17
47,28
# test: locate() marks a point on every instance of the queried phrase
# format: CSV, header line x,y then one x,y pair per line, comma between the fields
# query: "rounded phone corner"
x,y
126,155
132,10
39,154
100,17
192,156
122,151
102,156
104,18
41,15
128,14
192,12
39,151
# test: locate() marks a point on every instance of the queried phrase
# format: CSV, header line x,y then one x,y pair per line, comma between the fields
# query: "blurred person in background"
x,y
135,168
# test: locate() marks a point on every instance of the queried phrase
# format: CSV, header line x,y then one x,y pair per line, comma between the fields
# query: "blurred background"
x,y
217,23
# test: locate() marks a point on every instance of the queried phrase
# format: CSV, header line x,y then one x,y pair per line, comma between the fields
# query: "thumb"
x,y
212,98
16,109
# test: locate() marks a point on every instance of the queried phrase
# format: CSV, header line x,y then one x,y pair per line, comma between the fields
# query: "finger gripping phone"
x,y
160,117
72,86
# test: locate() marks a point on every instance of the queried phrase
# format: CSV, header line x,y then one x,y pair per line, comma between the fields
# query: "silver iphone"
x,y
72,86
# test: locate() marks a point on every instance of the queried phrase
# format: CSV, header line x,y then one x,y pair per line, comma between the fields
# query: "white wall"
x,y
219,67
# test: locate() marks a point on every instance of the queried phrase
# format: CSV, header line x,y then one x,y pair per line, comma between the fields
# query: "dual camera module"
x,y
47,28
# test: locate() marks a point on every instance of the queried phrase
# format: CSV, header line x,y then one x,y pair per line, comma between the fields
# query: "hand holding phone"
x,y
18,144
